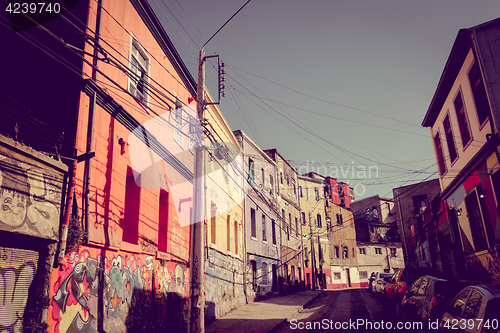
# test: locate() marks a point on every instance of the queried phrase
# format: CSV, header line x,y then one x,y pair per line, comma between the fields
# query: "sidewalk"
x,y
262,316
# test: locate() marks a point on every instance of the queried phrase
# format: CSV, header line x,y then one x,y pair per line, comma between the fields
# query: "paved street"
x,y
339,310
353,310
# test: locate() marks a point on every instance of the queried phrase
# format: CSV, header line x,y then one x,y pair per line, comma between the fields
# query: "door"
x,y
348,278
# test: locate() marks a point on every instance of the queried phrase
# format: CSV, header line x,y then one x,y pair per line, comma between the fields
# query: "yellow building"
x,y
315,230
224,264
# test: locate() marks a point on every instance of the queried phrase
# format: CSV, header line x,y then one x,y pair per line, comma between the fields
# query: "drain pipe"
x,y
90,125
67,213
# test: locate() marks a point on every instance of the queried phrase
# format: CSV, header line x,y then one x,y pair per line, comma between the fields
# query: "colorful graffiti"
x,y
17,269
125,279
29,198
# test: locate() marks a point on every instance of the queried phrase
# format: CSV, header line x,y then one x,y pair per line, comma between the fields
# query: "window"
x,y
339,219
287,180
337,252
439,154
318,221
336,275
139,66
363,275
178,122
394,251
264,238
250,172
449,138
362,250
283,219
290,223
236,237
271,185
273,230
479,93
316,193
474,303
281,177
264,273
476,222
420,203
132,208
254,274
300,191
297,225
303,218
294,189
463,120
345,252
253,223
263,179
378,250
228,232
459,303
213,221
163,221
353,252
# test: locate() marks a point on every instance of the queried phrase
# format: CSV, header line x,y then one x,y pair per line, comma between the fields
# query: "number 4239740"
x,y
470,324
33,8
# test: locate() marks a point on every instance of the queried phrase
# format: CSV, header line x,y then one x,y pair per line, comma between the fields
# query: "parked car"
x,y
428,296
474,309
380,281
402,278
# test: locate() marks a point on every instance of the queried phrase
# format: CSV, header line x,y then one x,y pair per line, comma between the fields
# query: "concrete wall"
x,y
31,187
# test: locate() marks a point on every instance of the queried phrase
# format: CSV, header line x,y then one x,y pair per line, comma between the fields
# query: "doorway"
x,y
348,278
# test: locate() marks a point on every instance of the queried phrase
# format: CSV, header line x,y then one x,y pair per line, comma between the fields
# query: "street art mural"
x,y
30,198
126,280
17,269
223,284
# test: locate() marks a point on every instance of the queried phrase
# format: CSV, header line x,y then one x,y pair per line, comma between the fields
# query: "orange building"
x,y
107,75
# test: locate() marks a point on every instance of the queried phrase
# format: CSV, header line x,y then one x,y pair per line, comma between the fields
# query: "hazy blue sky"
x,y
342,83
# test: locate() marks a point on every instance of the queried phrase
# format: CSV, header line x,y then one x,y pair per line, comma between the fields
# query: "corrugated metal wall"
x,y
17,270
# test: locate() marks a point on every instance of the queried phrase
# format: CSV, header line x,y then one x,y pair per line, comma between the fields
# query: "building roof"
x,y
459,51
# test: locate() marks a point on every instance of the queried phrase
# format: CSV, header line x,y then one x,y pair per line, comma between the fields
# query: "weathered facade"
x,y
315,231
262,227
225,263
463,118
291,233
410,203
342,239
32,199
377,237
126,111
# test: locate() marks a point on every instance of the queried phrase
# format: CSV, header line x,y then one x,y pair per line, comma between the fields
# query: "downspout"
x,y
67,213
90,128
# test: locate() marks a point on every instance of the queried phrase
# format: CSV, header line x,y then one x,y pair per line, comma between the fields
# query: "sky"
x,y
338,87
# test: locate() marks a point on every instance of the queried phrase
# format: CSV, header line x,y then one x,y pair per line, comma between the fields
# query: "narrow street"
x,y
344,310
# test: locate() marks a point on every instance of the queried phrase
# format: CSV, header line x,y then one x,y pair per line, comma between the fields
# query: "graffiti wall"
x,y
30,197
259,283
17,270
485,266
223,284
129,285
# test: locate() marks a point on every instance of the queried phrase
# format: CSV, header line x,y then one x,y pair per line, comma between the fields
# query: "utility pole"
x,y
313,260
196,323
197,258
